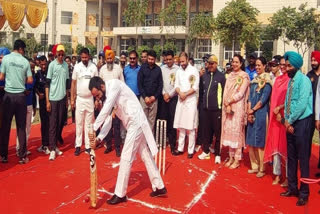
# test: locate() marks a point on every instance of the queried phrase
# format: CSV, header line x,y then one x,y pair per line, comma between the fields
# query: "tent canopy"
x,y
14,12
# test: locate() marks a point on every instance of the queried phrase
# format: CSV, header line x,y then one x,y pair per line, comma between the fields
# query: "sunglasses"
x,y
211,63
132,58
275,65
60,54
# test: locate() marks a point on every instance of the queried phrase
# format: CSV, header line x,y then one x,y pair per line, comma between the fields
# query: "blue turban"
x,y
4,51
294,59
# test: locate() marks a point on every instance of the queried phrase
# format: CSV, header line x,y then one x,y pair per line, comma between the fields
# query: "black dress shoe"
x,y
159,192
4,159
176,152
77,152
289,194
302,202
318,175
118,153
116,200
108,150
190,156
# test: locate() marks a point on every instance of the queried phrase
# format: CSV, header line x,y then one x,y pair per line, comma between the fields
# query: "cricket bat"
x,y
93,177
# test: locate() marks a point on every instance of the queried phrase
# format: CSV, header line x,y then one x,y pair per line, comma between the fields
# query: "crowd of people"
x,y
270,107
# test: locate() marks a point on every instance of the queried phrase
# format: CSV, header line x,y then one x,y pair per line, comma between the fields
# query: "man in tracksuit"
x,y
213,82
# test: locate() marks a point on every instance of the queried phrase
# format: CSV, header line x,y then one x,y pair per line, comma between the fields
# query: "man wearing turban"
x,y
56,98
298,122
107,72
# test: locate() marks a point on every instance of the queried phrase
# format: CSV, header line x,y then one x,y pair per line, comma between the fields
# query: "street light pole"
x,y
99,45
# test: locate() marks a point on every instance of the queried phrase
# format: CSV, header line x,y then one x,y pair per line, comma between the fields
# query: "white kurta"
x,y
84,100
129,111
186,111
138,136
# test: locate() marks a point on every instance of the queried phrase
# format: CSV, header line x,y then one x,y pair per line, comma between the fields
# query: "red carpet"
x,y
194,186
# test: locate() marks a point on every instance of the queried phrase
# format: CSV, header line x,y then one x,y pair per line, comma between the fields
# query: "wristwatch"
x,y
283,120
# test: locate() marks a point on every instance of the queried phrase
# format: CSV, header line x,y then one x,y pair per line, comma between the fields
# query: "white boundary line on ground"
x,y
202,192
144,203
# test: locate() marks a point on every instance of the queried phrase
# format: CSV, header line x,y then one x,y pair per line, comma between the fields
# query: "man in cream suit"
x,y
118,98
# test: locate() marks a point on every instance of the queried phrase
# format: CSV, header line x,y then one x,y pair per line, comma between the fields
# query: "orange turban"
x,y
109,53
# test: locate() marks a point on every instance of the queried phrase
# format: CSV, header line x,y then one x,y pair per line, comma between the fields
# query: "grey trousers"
x,y
150,112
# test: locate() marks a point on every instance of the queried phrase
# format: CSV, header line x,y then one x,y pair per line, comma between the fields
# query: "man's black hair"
x,y
134,52
145,51
43,58
19,44
123,54
170,53
95,82
152,53
85,51
67,57
192,60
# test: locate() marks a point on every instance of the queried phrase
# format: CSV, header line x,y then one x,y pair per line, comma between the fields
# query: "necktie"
x,y
289,98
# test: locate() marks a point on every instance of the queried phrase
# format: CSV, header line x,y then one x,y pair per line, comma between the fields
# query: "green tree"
x,y
142,48
78,48
237,23
32,46
92,50
169,45
158,50
298,26
175,10
135,13
201,26
68,48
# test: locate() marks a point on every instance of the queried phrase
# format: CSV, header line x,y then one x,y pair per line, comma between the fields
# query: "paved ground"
x,y
194,186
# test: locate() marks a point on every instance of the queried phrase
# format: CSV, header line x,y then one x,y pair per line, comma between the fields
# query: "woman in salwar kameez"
x,y
258,108
276,144
234,112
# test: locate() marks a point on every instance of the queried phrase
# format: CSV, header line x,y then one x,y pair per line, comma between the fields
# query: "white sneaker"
x,y
217,160
204,156
197,148
52,155
58,151
211,150
46,150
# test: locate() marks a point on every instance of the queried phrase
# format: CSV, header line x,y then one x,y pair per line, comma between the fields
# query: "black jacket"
x,y
150,81
209,86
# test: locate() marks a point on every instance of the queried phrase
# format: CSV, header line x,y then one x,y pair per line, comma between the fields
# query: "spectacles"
x,y
132,58
282,64
275,65
60,54
211,63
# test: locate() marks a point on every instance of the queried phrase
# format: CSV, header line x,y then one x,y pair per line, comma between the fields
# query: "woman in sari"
x,y
235,97
276,144
258,108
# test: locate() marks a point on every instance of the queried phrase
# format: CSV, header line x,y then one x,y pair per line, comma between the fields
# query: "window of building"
x,y
66,39
228,55
124,45
156,20
148,20
30,35
97,20
3,37
204,47
44,39
265,49
15,36
123,22
180,21
66,17
318,3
